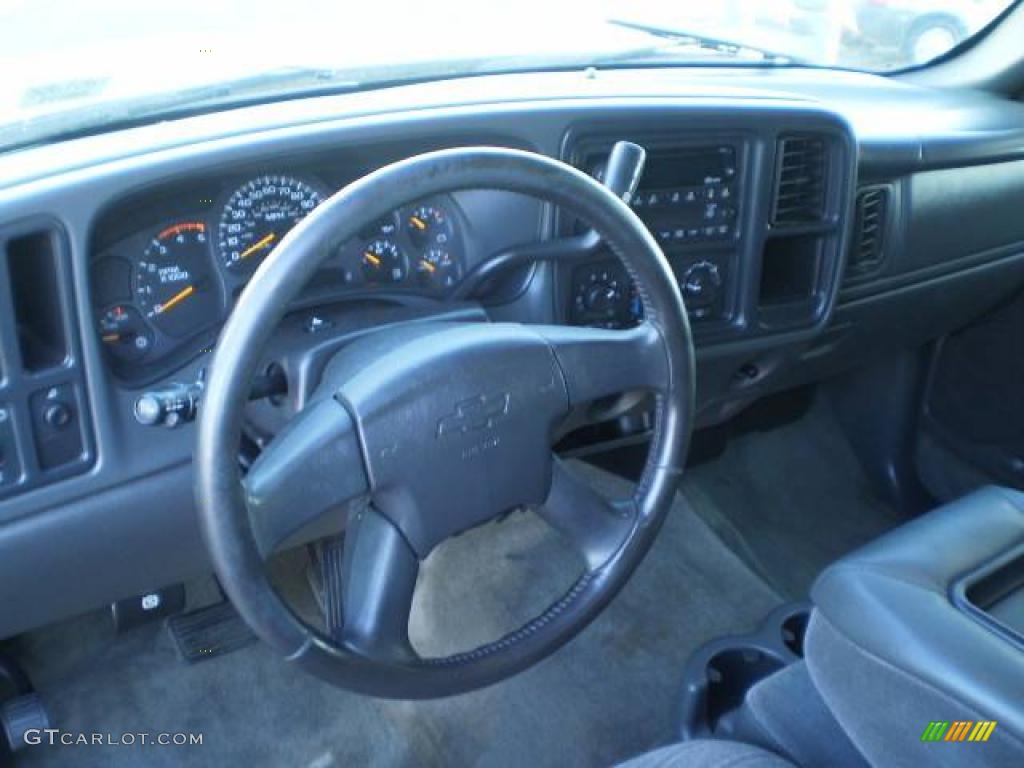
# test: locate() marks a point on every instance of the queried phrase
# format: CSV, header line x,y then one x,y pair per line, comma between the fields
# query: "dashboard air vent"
x,y
801,183
868,248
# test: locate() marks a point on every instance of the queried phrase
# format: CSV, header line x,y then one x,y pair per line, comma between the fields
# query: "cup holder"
x,y
731,674
794,628
718,675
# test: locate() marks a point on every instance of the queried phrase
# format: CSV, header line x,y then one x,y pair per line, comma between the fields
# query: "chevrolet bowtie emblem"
x,y
476,414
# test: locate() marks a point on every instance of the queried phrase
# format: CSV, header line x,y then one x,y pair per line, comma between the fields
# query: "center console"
x,y
928,621
751,220
690,197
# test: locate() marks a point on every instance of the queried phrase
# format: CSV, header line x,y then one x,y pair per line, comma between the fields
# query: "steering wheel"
x,y
426,430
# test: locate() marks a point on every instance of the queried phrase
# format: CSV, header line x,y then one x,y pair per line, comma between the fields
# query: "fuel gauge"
x,y
125,333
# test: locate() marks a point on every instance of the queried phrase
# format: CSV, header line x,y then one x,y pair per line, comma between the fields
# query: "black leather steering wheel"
x,y
435,428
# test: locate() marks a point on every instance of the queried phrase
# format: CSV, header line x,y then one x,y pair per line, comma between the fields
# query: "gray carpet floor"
x,y
789,500
608,695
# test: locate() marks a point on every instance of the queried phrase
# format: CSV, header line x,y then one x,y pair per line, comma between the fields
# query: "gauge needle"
x,y
176,299
375,260
417,222
263,243
428,266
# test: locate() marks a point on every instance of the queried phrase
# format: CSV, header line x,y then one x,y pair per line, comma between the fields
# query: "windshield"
x,y
72,66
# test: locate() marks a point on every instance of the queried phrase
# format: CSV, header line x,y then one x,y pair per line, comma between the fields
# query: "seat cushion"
x,y
705,753
890,652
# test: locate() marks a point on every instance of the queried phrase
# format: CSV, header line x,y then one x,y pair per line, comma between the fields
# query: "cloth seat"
x,y
891,647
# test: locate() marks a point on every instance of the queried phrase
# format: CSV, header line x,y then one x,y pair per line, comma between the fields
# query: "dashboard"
x,y
816,221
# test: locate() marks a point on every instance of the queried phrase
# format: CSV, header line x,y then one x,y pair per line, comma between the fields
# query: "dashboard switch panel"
x,y
56,425
45,427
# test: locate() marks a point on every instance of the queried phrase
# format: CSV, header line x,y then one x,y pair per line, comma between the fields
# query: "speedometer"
x,y
257,215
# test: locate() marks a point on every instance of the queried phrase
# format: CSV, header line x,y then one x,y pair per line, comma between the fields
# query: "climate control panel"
x,y
603,295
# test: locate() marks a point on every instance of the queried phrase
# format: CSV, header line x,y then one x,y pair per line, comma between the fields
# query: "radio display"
x,y
688,168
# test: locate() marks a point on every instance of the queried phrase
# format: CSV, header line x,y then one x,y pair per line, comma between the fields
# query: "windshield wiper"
x,y
698,40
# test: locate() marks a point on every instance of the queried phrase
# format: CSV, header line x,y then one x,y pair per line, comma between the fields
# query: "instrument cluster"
x,y
156,290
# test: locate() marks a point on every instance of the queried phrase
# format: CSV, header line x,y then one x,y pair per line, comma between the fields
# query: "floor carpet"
x,y
789,500
608,695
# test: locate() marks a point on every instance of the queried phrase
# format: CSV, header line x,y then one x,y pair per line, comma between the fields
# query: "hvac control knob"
x,y
701,284
602,297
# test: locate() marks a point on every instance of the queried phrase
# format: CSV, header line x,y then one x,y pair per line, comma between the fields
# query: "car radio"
x,y
689,195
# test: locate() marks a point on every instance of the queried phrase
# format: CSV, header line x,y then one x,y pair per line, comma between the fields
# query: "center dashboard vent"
x,y
801,181
867,251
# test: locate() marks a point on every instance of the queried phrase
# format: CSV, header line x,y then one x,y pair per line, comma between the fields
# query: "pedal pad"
x,y
20,715
325,580
332,553
209,632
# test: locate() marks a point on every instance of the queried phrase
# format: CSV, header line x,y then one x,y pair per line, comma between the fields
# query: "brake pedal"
x,y
209,632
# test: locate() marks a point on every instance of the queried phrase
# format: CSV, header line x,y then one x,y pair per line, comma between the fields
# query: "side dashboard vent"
x,y
801,183
867,249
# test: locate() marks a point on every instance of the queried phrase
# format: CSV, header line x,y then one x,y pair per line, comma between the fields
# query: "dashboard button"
x,y
57,415
58,439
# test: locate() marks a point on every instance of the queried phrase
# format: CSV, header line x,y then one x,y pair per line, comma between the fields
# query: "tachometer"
x,y
174,284
258,215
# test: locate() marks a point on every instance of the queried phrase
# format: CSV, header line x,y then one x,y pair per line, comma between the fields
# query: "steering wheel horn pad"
x,y
479,402
426,430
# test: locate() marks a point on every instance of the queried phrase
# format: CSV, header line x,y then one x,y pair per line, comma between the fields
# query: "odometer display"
x,y
258,215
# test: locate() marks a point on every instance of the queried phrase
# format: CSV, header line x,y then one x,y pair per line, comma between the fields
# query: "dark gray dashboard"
x,y
903,225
